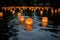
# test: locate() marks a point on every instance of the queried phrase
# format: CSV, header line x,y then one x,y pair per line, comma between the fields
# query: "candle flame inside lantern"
x,y
44,21
21,20
29,24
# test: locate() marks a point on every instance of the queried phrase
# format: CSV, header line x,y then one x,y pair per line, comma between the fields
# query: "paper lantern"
x,y
41,13
13,12
55,10
1,14
52,11
44,21
29,24
21,20
19,14
58,10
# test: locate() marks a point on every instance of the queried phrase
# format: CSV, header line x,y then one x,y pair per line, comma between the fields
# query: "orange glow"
x,y
32,9
1,14
21,20
41,13
44,21
59,10
46,8
19,14
52,11
29,24
55,10
13,12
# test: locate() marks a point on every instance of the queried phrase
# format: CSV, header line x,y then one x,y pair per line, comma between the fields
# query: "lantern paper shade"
x,y
19,14
58,10
13,11
41,13
44,21
1,14
52,11
21,20
29,24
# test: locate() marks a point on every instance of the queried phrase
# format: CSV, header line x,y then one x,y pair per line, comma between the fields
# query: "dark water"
x,y
53,24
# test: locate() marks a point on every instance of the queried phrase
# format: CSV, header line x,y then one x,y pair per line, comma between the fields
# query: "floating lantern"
x,y
59,10
13,12
32,9
41,13
52,11
44,21
19,14
55,11
21,20
1,14
29,24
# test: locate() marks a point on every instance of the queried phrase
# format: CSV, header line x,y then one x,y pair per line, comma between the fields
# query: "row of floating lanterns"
x,y
29,22
30,8
53,11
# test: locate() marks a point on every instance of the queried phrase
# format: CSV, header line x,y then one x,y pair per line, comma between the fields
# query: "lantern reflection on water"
x,y
29,24
21,20
44,21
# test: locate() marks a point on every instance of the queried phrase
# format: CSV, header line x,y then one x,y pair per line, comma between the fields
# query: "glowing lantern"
x,y
29,24
13,12
55,10
21,20
32,9
44,21
41,13
52,11
19,14
29,8
59,10
1,14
